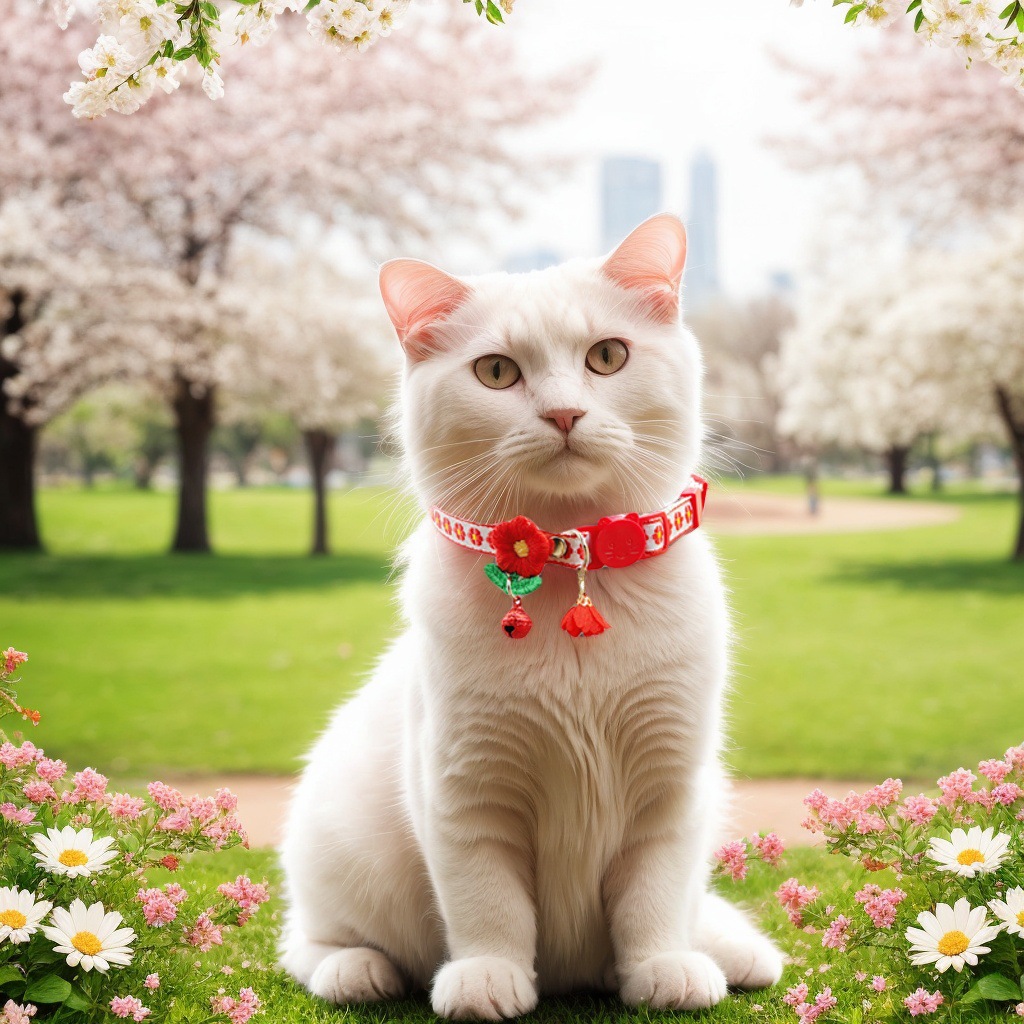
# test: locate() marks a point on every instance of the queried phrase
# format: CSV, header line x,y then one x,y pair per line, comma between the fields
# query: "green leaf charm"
x,y
509,582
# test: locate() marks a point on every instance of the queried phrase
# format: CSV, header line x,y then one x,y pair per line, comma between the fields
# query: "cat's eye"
x,y
497,372
607,356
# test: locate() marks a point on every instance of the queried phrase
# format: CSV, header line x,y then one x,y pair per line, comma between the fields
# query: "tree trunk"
x,y
193,423
18,527
896,461
1013,419
320,448
142,472
936,464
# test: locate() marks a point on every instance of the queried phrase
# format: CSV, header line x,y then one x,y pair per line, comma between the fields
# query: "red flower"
x,y
584,620
520,547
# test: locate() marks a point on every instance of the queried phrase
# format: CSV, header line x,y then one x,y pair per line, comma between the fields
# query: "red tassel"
x,y
584,620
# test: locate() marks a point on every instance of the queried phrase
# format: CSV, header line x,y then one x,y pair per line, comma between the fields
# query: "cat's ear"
x,y
651,261
417,296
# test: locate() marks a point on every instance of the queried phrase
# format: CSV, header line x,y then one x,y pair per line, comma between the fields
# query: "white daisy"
x,y
90,937
1011,910
950,937
970,853
67,852
20,914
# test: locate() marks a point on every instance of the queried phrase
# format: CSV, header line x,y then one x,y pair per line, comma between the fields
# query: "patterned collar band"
x,y
614,542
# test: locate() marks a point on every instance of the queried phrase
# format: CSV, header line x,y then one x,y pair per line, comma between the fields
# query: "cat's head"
x,y
558,393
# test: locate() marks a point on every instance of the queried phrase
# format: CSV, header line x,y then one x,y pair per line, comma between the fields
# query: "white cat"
x,y
498,818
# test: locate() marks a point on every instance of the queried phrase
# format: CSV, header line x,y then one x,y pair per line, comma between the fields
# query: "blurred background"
x,y
198,499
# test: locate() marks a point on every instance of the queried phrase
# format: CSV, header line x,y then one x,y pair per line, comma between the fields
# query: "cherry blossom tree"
x,y
406,144
851,377
315,346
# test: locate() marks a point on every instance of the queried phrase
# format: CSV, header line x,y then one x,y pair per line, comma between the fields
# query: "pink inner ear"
x,y
417,296
651,261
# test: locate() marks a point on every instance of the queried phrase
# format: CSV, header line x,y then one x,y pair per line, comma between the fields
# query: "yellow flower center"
x,y
968,857
86,942
16,919
953,943
73,858
1020,918
521,548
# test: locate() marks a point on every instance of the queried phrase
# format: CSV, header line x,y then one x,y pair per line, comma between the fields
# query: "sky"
x,y
674,77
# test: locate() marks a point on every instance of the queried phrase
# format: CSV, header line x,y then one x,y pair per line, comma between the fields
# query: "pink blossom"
x,y
51,770
957,786
835,934
202,809
878,983
170,862
179,821
1007,793
12,659
1015,755
90,786
770,847
18,757
152,981
205,935
165,797
226,800
240,1010
880,904
1019,1009
797,995
245,892
175,893
39,792
22,815
126,807
995,771
224,828
861,976
794,897
129,1006
869,823
834,813
923,1002
885,794
157,909
918,810
733,858
15,1013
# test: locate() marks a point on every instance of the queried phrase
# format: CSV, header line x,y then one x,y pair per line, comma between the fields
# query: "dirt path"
x,y
730,511
758,804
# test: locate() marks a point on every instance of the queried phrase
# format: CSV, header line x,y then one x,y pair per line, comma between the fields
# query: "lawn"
x,y
286,1003
859,655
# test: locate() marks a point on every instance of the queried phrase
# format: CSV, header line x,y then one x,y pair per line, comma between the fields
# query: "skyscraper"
x,y
630,193
700,283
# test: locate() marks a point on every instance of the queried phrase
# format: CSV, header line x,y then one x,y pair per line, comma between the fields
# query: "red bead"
x,y
620,541
516,624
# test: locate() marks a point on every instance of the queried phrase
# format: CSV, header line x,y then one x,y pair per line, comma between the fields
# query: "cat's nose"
x,y
564,419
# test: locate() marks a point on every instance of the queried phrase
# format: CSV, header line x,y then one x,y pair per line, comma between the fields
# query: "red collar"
x,y
614,542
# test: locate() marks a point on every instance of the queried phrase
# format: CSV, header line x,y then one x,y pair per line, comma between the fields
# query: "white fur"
x,y
506,818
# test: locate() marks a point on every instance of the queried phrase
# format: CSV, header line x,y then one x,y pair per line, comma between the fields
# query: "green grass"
x,y
286,1003
859,655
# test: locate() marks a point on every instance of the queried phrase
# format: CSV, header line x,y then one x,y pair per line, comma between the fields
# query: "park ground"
x,y
893,647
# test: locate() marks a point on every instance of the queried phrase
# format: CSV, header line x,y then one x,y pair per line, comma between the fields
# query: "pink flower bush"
x,y
50,822
129,1006
923,1002
733,859
938,930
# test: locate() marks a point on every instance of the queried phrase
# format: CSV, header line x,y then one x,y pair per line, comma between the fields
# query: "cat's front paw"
x,y
681,980
483,988
749,962
358,975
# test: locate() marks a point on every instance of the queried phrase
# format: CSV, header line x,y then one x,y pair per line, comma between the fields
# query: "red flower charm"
x,y
520,547
584,620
